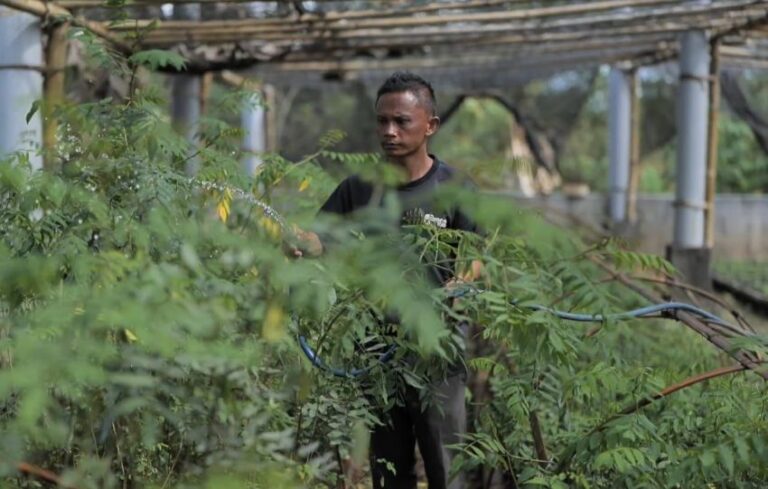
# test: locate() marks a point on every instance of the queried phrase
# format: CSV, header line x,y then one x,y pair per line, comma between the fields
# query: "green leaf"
x,y
726,458
707,459
32,110
158,58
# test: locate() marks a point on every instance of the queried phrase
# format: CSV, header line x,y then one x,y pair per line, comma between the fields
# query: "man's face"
x,y
403,124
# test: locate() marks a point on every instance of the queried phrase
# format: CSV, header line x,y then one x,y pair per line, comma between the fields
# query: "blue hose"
x,y
318,362
385,357
642,312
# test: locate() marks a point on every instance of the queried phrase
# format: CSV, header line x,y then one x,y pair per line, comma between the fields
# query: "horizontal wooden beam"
x,y
742,63
237,31
744,52
296,25
43,10
386,9
469,38
539,50
244,60
465,62
102,3
236,80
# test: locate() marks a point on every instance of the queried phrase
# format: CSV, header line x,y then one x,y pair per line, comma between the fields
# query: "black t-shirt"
x,y
417,199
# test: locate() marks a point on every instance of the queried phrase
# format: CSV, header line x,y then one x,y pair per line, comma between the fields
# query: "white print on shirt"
x,y
440,222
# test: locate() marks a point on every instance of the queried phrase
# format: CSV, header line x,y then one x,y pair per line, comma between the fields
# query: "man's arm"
x,y
308,243
475,271
304,243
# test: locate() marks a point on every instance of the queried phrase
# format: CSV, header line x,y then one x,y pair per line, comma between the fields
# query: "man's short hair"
x,y
400,81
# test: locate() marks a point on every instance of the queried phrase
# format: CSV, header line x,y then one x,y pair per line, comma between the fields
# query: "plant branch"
x,y
40,473
691,321
538,439
699,291
636,406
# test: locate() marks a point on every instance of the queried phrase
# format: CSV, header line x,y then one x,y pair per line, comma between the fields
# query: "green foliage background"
x,y
477,137
148,327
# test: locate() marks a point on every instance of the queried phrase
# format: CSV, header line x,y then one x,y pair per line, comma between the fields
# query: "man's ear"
x,y
433,125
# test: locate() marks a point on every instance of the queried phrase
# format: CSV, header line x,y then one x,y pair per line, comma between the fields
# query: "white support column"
x,y
185,98
253,123
693,100
619,142
20,46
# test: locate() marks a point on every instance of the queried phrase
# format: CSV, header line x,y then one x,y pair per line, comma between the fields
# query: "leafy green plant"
x,y
148,325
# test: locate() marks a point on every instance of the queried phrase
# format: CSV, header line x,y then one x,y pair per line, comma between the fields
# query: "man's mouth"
x,y
389,146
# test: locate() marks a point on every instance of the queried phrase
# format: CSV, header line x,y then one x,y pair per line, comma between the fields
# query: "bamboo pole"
x,y
101,3
567,57
269,100
498,16
662,20
53,89
478,39
745,64
714,109
506,51
205,91
634,147
742,52
40,9
352,14
342,24
296,29
238,81
507,71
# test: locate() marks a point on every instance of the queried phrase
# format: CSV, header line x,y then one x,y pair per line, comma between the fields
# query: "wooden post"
x,y
714,107
634,147
53,89
205,91
269,99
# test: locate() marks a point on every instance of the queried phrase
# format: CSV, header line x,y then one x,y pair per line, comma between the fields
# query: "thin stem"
x,y
636,406
689,320
40,473
706,294
538,438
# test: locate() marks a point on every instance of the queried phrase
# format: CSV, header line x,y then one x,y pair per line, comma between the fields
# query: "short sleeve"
x,y
462,222
339,200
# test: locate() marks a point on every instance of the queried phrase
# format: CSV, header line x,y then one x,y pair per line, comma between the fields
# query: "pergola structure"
x,y
473,45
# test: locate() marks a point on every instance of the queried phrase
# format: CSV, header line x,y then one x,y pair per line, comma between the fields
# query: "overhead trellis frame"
x,y
593,32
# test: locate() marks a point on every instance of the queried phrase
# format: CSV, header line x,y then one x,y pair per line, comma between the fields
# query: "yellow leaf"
x,y
223,211
223,208
130,336
303,185
271,227
274,323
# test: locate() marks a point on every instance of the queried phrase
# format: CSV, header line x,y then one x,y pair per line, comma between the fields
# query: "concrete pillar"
x,y
693,107
688,251
20,46
253,123
185,97
619,142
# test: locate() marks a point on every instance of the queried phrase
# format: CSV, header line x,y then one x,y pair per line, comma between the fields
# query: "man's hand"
x,y
474,272
303,243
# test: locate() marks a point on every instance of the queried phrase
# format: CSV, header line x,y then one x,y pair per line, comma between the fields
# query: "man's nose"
x,y
389,129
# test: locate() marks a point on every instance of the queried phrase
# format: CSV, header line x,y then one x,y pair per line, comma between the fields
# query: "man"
x,y
406,119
